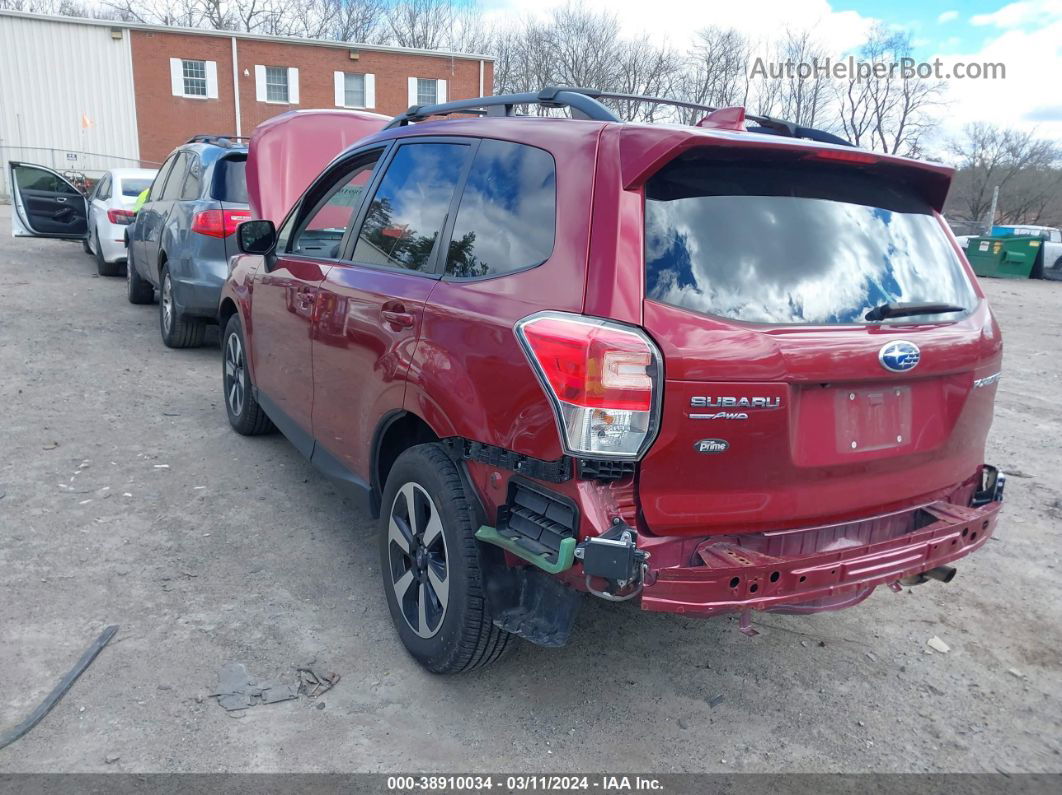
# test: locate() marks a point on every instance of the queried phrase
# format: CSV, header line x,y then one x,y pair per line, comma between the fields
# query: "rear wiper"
x,y
886,311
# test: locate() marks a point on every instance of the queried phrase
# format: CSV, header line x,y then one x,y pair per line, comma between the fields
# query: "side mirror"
x,y
256,237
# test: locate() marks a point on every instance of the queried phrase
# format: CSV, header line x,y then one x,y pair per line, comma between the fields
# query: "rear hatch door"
x,y
783,405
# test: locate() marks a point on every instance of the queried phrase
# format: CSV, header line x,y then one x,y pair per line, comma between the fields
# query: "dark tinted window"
x,y
104,190
176,179
161,179
507,217
30,178
134,186
780,243
192,182
230,180
407,212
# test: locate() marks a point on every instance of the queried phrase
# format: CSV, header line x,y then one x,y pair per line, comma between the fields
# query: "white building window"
x,y
355,90
193,78
277,84
426,91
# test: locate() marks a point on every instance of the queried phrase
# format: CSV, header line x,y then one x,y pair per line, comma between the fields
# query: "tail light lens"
x,y
603,379
124,217
218,223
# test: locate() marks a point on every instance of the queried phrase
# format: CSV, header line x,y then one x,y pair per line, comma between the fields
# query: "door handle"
x,y
61,199
398,318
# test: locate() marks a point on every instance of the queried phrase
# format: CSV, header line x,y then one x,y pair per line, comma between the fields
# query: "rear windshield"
x,y
230,180
789,243
135,186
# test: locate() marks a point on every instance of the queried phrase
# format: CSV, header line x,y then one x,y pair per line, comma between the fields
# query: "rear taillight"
x,y
603,379
218,223
124,217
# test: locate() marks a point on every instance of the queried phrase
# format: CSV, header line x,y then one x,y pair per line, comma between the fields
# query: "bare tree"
x,y
1026,169
886,105
715,72
421,24
644,69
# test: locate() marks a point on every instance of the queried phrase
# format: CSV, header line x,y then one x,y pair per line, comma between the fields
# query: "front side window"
x,y
783,243
276,84
407,212
321,235
354,90
427,91
195,82
508,213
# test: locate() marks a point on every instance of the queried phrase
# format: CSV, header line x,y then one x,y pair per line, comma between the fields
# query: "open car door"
x,y
46,204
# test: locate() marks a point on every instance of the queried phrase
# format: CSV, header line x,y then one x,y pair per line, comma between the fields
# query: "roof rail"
x,y
584,103
218,140
579,100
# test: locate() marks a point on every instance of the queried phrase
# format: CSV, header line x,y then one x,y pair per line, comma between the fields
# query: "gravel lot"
x,y
125,499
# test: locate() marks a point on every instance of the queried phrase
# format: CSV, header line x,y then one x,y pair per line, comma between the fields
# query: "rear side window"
x,y
406,214
192,183
176,178
230,180
161,179
788,243
508,214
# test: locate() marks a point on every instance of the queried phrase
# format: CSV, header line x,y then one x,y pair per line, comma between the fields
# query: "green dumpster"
x,y
1006,257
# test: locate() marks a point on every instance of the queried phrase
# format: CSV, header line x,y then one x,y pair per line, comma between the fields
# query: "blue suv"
x,y
184,234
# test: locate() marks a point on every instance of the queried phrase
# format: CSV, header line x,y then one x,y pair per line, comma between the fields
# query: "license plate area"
x,y
868,419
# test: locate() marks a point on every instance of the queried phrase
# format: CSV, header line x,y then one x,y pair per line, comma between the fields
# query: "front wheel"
x,y
137,289
432,576
245,415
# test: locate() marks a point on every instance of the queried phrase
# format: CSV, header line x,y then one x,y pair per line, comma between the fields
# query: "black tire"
x,y
462,636
104,268
245,415
1054,273
85,246
178,330
137,289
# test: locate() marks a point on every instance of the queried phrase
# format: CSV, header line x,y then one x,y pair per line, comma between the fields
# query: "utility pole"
x,y
992,210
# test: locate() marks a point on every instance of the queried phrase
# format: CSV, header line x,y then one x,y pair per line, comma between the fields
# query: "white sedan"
x,y
110,211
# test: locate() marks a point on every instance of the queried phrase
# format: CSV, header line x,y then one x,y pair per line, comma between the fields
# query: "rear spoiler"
x,y
645,150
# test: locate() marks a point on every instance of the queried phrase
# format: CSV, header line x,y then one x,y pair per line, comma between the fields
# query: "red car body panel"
x,y
793,497
287,153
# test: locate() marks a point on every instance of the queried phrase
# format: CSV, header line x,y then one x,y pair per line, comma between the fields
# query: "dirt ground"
x,y
125,499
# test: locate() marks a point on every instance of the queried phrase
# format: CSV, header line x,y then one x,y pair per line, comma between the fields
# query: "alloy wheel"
x,y
167,303
235,383
416,551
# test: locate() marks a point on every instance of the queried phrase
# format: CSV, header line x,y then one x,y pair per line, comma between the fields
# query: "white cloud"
x,y
948,16
1025,96
1026,12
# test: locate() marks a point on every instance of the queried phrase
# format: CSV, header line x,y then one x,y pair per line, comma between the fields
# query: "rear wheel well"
x,y
396,434
162,264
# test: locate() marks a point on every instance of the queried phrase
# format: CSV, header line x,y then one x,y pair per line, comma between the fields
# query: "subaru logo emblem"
x,y
899,356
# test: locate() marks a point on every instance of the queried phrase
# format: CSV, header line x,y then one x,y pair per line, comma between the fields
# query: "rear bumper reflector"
x,y
733,577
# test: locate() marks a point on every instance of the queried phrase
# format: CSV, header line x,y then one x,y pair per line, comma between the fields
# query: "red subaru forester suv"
x,y
732,367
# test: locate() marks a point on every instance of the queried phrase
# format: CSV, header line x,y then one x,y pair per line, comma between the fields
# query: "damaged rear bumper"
x,y
822,568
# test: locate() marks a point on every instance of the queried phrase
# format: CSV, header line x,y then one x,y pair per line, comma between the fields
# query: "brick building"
x,y
132,92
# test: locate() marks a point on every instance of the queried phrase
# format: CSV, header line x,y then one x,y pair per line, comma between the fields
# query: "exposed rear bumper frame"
x,y
734,579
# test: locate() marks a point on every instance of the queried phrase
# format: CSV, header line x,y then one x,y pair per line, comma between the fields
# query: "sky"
x,y
1025,36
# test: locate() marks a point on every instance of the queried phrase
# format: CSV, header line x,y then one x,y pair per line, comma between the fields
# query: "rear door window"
x,y
406,215
192,182
508,213
785,243
175,182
